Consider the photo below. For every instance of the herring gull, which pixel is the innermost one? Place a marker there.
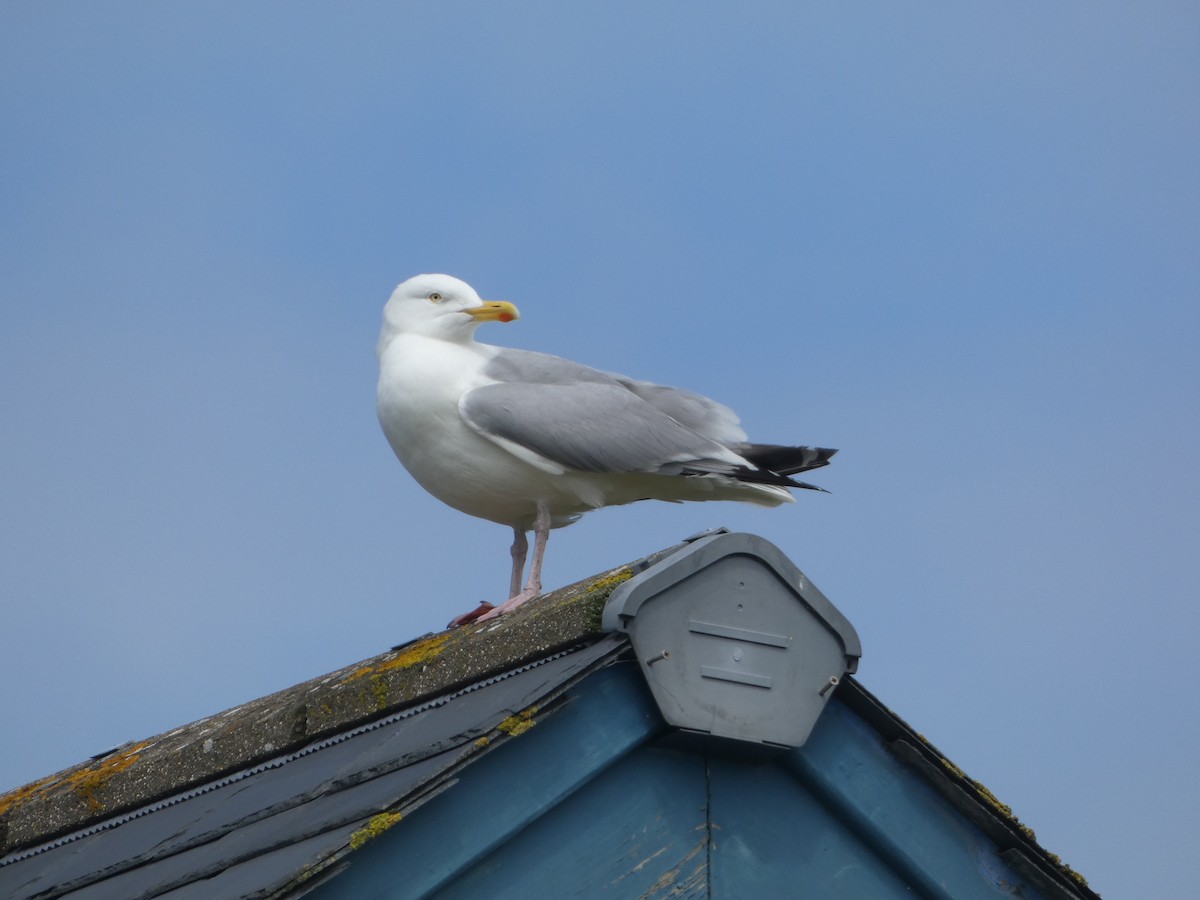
(534, 441)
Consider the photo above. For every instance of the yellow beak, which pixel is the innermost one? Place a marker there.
(494, 311)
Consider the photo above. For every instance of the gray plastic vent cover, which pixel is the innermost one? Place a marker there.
(734, 641)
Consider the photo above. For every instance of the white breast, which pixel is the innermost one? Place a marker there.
(420, 383)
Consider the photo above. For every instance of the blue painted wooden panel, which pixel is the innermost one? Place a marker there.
(590, 804)
(502, 793)
(899, 815)
(772, 838)
(638, 830)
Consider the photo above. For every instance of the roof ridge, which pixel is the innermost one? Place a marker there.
(141, 773)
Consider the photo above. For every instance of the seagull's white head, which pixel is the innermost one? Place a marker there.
(440, 306)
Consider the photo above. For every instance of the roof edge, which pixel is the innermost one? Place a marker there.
(1016, 841)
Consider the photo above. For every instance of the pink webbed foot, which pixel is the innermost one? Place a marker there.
(473, 616)
(508, 605)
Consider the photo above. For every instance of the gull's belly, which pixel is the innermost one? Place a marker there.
(473, 475)
(418, 409)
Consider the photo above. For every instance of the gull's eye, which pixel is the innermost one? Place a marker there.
(435, 297)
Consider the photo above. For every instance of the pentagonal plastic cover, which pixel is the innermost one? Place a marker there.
(734, 641)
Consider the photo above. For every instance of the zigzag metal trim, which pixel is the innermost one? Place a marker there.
(281, 760)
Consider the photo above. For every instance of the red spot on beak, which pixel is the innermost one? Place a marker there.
(505, 317)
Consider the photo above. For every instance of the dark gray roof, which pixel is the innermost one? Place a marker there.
(141, 772)
(296, 814)
(305, 775)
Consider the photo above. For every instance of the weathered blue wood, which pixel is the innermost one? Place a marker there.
(609, 714)
(772, 838)
(898, 815)
(588, 804)
(638, 830)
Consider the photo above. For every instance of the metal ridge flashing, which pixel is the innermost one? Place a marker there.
(278, 761)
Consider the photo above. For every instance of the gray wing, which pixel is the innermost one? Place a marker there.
(584, 419)
(528, 367)
(714, 420)
(702, 415)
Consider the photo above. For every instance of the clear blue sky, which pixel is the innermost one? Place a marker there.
(959, 243)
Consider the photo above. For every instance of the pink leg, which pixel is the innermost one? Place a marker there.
(533, 587)
(520, 548)
(541, 535)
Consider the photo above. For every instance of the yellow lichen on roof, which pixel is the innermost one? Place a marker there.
(598, 593)
(89, 783)
(424, 668)
(520, 723)
(374, 828)
(605, 585)
(21, 794)
(415, 653)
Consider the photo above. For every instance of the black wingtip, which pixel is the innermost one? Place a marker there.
(785, 460)
(806, 486)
